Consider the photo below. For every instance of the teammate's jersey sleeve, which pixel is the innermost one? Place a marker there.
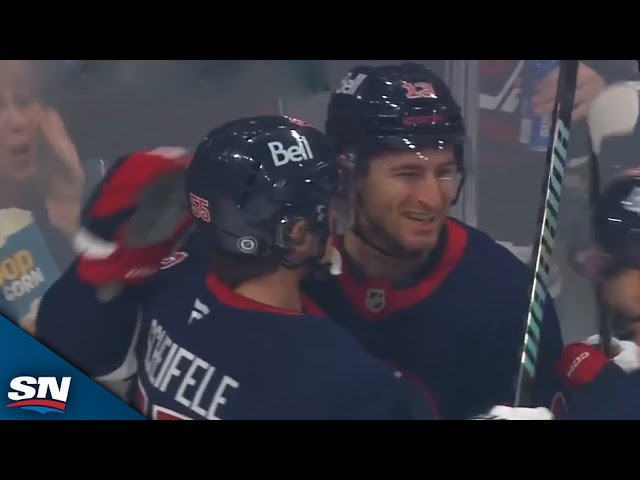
(99, 338)
(349, 383)
(498, 359)
(496, 377)
(394, 400)
(612, 395)
(376, 392)
(93, 336)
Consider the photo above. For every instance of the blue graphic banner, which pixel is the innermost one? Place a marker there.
(36, 384)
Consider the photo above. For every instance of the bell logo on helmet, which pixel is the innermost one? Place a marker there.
(349, 86)
(295, 153)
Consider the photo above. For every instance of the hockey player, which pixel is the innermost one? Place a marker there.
(604, 389)
(238, 343)
(615, 132)
(614, 387)
(437, 298)
(600, 388)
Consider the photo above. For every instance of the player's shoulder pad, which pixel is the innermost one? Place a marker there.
(614, 112)
(482, 243)
(495, 256)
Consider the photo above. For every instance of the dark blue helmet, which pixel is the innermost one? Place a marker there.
(252, 178)
(616, 219)
(394, 107)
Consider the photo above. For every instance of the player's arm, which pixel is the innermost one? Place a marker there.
(94, 336)
(134, 219)
(596, 388)
(497, 360)
(600, 388)
(414, 402)
(386, 398)
(370, 389)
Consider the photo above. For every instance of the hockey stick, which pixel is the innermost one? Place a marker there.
(546, 231)
(604, 324)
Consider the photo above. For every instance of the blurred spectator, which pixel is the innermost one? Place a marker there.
(510, 175)
(42, 184)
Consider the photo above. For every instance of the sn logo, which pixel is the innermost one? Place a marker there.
(349, 86)
(295, 153)
(29, 398)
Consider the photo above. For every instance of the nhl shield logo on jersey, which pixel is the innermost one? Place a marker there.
(375, 299)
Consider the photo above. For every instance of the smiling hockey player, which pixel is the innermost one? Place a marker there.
(421, 290)
(237, 342)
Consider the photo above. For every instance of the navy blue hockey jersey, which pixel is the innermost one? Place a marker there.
(613, 395)
(200, 351)
(458, 327)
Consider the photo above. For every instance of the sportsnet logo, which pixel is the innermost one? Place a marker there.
(49, 396)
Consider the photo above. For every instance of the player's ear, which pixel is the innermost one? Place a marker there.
(296, 233)
(347, 171)
(296, 236)
(343, 162)
(303, 240)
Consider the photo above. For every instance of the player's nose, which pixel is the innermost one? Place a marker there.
(428, 194)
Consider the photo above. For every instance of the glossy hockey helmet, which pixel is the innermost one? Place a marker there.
(252, 179)
(394, 107)
(616, 220)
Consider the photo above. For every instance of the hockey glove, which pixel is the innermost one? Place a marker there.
(627, 353)
(580, 364)
(134, 219)
(503, 412)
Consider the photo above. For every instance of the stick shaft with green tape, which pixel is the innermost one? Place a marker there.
(547, 225)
